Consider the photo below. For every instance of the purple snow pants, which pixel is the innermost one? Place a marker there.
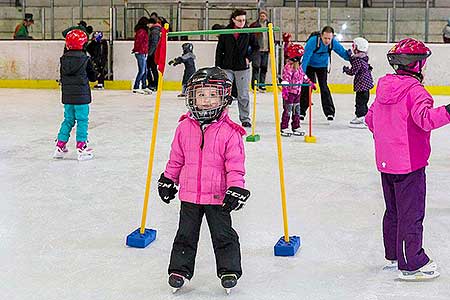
(291, 105)
(404, 195)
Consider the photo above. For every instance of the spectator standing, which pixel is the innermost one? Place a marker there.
(234, 53)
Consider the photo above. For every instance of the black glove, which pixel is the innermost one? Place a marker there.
(448, 108)
(345, 69)
(166, 189)
(171, 62)
(370, 68)
(235, 198)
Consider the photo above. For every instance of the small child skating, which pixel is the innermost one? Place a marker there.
(363, 81)
(293, 74)
(207, 163)
(188, 59)
(75, 73)
(401, 119)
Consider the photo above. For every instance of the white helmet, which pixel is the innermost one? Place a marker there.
(361, 44)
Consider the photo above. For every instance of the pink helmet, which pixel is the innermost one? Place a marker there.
(408, 54)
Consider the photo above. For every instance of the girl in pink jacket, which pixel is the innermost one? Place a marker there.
(293, 74)
(207, 163)
(401, 119)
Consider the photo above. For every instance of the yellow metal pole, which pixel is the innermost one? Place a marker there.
(254, 109)
(152, 150)
(278, 130)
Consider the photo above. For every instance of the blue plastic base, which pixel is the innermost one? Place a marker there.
(138, 240)
(282, 248)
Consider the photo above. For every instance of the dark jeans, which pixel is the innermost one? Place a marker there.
(361, 108)
(259, 68)
(291, 107)
(141, 76)
(404, 195)
(325, 95)
(152, 73)
(225, 240)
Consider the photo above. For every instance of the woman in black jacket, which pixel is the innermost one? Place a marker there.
(233, 54)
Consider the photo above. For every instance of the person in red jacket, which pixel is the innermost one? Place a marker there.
(140, 50)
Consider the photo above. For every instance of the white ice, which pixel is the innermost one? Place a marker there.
(63, 223)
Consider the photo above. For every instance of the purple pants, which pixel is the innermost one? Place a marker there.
(291, 105)
(404, 195)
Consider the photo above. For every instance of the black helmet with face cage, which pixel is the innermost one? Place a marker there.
(215, 79)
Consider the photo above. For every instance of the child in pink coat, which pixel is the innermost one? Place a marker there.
(401, 119)
(207, 163)
(293, 74)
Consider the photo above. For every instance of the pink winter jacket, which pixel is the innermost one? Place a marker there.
(401, 119)
(294, 77)
(205, 164)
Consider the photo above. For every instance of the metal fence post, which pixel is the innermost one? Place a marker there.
(394, 18)
(388, 25)
(296, 20)
(179, 16)
(43, 22)
(207, 18)
(81, 9)
(361, 17)
(427, 20)
(52, 20)
(329, 13)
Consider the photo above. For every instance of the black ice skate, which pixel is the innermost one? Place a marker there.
(176, 281)
(229, 281)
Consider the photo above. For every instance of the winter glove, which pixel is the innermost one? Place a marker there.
(349, 52)
(313, 85)
(166, 189)
(171, 62)
(346, 69)
(235, 198)
(370, 68)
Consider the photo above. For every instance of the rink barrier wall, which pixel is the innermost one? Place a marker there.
(176, 86)
(35, 64)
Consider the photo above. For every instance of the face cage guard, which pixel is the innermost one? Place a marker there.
(207, 114)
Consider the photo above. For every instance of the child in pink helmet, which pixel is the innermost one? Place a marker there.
(207, 163)
(401, 119)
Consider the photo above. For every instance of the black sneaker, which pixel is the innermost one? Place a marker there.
(246, 124)
(330, 118)
(302, 117)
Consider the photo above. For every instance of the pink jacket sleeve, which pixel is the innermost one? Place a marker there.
(369, 118)
(235, 161)
(423, 113)
(286, 76)
(176, 158)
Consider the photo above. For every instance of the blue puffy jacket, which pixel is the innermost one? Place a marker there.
(320, 58)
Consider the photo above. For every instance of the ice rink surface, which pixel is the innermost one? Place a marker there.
(63, 223)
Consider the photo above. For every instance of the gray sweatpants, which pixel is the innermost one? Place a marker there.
(242, 84)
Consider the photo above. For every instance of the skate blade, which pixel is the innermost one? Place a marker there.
(174, 290)
(299, 134)
(356, 126)
(228, 291)
(286, 134)
(420, 276)
(85, 157)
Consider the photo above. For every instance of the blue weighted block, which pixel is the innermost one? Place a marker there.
(138, 240)
(282, 248)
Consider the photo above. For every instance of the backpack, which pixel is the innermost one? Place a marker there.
(317, 35)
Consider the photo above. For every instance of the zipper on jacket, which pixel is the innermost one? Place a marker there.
(199, 171)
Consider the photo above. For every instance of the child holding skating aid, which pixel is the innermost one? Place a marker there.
(293, 74)
(207, 163)
(363, 81)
